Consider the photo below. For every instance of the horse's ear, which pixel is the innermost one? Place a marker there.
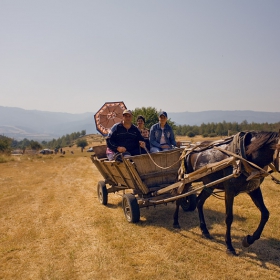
(247, 138)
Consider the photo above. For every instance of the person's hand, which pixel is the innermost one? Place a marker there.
(165, 146)
(142, 144)
(121, 149)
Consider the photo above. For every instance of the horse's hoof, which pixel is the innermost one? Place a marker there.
(231, 252)
(176, 226)
(207, 236)
(245, 241)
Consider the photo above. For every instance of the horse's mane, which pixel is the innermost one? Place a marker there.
(261, 139)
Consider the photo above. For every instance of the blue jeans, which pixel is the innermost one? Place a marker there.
(156, 149)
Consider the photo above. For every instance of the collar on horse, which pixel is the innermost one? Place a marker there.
(237, 145)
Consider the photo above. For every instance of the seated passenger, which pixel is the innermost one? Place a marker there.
(144, 131)
(125, 138)
(161, 135)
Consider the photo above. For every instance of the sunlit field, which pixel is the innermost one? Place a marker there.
(53, 227)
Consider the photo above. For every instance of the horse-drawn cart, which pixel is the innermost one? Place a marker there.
(151, 179)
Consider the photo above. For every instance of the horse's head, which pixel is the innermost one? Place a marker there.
(276, 157)
(263, 148)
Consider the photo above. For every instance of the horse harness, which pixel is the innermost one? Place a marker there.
(236, 148)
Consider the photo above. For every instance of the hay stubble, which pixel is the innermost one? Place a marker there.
(53, 227)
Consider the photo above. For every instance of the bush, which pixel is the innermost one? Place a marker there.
(191, 134)
(212, 134)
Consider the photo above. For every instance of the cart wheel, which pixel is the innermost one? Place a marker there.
(102, 192)
(188, 203)
(131, 208)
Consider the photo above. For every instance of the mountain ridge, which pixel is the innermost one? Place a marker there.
(19, 123)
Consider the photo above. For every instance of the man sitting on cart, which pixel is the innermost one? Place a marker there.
(161, 135)
(125, 138)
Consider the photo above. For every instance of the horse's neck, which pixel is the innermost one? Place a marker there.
(262, 157)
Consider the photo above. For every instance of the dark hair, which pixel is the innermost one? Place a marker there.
(140, 117)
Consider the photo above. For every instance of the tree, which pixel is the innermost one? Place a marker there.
(34, 145)
(149, 113)
(5, 144)
(82, 143)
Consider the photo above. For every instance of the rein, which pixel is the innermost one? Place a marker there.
(264, 172)
(161, 167)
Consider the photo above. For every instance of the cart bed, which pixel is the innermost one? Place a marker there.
(139, 173)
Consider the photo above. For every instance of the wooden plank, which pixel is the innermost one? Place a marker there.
(198, 174)
(149, 202)
(102, 168)
(136, 176)
(123, 178)
(146, 167)
(159, 174)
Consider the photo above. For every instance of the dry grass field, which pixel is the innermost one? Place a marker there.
(53, 227)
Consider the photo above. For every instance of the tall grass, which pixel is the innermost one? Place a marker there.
(5, 158)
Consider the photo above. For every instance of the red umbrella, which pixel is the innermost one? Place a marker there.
(109, 114)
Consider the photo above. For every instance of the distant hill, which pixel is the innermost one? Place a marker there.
(40, 125)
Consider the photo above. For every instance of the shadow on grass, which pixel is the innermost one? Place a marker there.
(112, 206)
(266, 251)
(263, 250)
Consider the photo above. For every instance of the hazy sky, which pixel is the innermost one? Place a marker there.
(72, 56)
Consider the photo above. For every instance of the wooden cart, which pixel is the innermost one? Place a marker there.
(148, 182)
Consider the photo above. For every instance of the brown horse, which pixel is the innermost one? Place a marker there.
(258, 148)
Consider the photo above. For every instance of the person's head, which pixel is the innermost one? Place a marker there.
(127, 116)
(140, 121)
(145, 133)
(162, 116)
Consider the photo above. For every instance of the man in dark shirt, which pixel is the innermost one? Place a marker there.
(125, 137)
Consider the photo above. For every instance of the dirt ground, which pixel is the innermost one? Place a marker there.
(53, 227)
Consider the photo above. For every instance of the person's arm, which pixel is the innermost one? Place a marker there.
(172, 138)
(140, 138)
(111, 139)
(139, 135)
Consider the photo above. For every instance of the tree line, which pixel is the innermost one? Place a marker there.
(205, 129)
(8, 144)
(64, 141)
(224, 128)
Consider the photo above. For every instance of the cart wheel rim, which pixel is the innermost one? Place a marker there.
(100, 195)
(127, 210)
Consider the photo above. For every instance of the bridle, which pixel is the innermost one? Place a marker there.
(276, 158)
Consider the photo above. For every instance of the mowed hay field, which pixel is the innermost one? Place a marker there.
(53, 227)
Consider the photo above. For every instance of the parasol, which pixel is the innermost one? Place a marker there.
(109, 114)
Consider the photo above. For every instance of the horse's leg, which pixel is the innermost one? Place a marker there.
(200, 202)
(257, 198)
(176, 215)
(229, 198)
